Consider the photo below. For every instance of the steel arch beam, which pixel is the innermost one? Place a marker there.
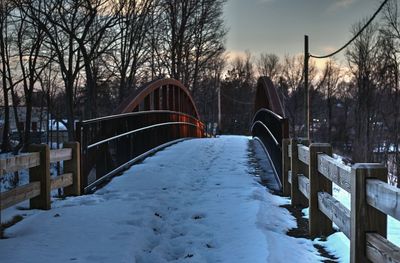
(267, 97)
(163, 94)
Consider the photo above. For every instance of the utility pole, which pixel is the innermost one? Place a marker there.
(219, 106)
(306, 88)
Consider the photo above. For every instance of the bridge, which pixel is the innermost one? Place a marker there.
(192, 197)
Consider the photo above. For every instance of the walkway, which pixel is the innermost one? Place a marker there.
(196, 201)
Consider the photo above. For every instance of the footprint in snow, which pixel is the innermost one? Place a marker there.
(198, 216)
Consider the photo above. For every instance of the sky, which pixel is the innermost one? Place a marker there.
(279, 26)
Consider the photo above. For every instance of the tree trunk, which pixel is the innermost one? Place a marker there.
(69, 90)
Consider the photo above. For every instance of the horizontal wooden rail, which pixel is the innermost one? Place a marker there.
(19, 162)
(60, 155)
(304, 154)
(379, 249)
(61, 181)
(304, 186)
(384, 197)
(19, 194)
(335, 211)
(336, 172)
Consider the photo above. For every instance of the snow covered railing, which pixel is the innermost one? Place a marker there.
(308, 173)
(38, 162)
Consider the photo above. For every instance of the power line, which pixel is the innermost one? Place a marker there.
(355, 36)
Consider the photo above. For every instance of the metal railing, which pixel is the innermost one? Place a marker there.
(110, 144)
(270, 129)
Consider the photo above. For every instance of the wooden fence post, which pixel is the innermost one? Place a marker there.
(41, 174)
(73, 166)
(364, 218)
(285, 167)
(319, 224)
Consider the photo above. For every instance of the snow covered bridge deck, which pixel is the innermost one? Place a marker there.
(196, 201)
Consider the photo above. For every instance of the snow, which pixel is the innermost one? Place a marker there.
(339, 245)
(391, 148)
(195, 201)
(53, 125)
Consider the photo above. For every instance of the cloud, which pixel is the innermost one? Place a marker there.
(234, 54)
(320, 63)
(329, 49)
(342, 3)
(265, 1)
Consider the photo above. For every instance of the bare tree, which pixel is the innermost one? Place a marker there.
(53, 18)
(29, 40)
(132, 50)
(5, 9)
(237, 91)
(292, 78)
(388, 79)
(361, 59)
(209, 33)
(269, 65)
(329, 85)
(194, 34)
(78, 34)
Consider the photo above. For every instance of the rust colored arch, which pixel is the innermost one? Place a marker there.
(267, 97)
(162, 94)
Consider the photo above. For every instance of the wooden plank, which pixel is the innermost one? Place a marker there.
(61, 181)
(335, 211)
(19, 162)
(304, 154)
(60, 155)
(290, 176)
(384, 197)
(380, 249)
(19, 195)
(304, 185)
(297, 169)
(336, 172)
(294, 164)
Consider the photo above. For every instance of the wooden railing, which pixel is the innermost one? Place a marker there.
(308, 173)
(40, 183)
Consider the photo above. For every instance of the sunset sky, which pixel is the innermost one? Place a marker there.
(279, 26)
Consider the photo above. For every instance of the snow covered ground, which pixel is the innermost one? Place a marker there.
(192, 202)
